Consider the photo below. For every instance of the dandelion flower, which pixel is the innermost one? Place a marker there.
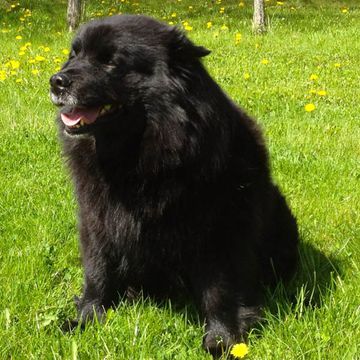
(35, 72)
(344, 10)
(174, 15)
(21, 53)
(241, 4)
(246, 76)
(337, 65)
(18, 81)
(237, 38)
(310, 107)
(279, 3)
(322, 93)
(18, 37)
(222, 10)
(313, 77)
(239, 351)
(13, 64)
(264, 61)
(3, 75)
(208, 24)
(39, 58)
(65, 51)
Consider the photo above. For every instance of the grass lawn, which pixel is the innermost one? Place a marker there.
(300, 80)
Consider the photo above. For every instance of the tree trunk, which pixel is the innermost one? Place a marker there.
(74, 13)
(259, 22)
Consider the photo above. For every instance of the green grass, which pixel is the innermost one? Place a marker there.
(315, 159)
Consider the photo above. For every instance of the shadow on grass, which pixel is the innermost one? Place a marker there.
(311, 286)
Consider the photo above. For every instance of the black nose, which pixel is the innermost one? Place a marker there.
(60, 81)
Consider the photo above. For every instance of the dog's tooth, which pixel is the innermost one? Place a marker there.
(82, 123)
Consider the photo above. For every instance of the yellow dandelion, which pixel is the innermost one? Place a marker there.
(222, 10)
(28, 44)
(337, 65)
(241, 4)
(46, 49)
(188, 27)
(18, 81)
(31, 61)
(239, 351)
(18, 37)
(312, 91)
(35, 72)
(57, 60)
(264, 61)
(246, 76)
(22, 19)
(65, 51)
(13, 64)
(190, 7)
(58, 68)
(171, 23)
(313, 77)
(344, 10)
(237, 38)
(174, 15)
(3, 75)
(21, 53)
(310, 107)
(208, 24)
(322, 93)
(39, 58)
(279, 3)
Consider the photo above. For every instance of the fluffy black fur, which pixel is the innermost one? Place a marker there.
(173, 182)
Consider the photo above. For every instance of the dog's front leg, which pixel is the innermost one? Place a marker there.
(101, 278)
(227, 294)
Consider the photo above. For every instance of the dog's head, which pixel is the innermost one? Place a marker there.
(114, 63)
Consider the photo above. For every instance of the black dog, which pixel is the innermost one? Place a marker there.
(172, 178)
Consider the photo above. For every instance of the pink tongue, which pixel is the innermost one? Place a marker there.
(73, 118)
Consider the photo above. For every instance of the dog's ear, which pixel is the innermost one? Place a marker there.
(181, 47)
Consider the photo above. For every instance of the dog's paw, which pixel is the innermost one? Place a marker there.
(218, 339)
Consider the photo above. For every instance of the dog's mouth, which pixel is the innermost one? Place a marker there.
(79, 119)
